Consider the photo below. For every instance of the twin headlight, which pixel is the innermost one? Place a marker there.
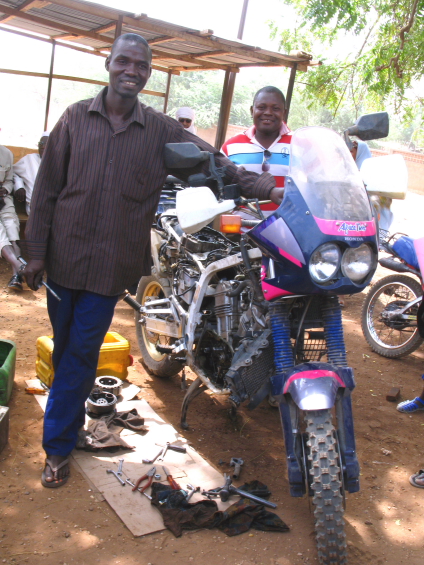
(325, 261)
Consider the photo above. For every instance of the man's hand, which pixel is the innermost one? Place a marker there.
(276, 195)
(3, 192)
(33, 273)
(20, 194)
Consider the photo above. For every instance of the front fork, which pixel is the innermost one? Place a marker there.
(340, 393)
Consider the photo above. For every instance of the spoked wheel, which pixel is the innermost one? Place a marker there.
(324, 468)
(160, 364)
(397, 336)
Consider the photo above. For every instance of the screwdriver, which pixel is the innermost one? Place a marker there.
(24, 263)
(174, 485)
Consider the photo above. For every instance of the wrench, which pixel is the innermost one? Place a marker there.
(116, 475)
(193, 490)
(236, 462)
(150, 461)
(121, 464)
(133, 485)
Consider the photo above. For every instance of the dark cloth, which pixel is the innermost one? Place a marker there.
(99, 435)
(97, 191)
(80, 322)
(179, 515)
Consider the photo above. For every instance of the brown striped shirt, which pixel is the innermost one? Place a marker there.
(97, 191)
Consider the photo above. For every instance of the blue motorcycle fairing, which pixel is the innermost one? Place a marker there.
(299, 233)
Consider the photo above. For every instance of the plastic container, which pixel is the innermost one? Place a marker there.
(114, 358)
(7, 369)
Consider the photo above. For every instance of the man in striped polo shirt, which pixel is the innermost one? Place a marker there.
(266, 145)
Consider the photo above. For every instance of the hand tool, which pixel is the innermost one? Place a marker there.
(236, 462)
(228, 489)
(139, 490)
(34, 390)
(24, 263)
(116, 475)
(178, 448)
(121, 464)
(193, 490)
(174, 485)
(149, 477)
(150, 461)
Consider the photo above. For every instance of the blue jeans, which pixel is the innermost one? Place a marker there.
(80, 322)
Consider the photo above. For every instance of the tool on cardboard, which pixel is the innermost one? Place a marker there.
(171, 481)
(149, 477)
(192, 491)
(24, 264)
(116, 475)
(228, 489)
(236, 462)
(151, 461)
(139, 490)
(169, 445)
(121, 464)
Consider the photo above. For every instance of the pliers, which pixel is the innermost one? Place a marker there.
(149, 476)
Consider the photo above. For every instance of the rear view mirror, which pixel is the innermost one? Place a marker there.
(183, 155)
(371, 126)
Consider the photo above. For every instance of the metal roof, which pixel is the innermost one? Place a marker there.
(175, 48)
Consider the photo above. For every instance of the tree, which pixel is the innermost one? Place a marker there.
(387, 61)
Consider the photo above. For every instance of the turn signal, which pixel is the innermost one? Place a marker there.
(230, 224)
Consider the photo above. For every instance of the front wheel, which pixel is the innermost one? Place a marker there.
(159, 364)
(327, 487)
(391, 337)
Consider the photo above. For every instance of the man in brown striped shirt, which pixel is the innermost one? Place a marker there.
(93, 204)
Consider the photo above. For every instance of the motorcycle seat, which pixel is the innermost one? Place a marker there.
(404, 248)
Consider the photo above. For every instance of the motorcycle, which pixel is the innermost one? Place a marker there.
(252, 308)
(389, 313)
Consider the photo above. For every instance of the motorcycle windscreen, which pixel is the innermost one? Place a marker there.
(325, 173)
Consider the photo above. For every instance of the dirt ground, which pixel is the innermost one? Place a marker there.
(74, 525)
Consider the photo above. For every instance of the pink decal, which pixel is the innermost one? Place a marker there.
(271, 292)
(290, 257)
(340, 227)
(316, 374)
(419, 250)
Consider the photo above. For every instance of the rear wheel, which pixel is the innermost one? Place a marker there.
(160, 364)
(391, 338)
(324, 469)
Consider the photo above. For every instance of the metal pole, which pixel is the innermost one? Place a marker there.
(228, 89)
(49, 87)
(168, 86)
(290, 90)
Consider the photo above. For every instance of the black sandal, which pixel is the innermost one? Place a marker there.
(15, 282)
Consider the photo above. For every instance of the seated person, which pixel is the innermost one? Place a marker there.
(25, 172)
(185, 116)
(9, 222)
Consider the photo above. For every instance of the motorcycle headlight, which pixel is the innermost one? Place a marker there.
(357, 262)
(324, 262)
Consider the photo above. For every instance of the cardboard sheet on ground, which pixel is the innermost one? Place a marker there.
(134, 509)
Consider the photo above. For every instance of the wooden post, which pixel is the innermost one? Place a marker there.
(118, 28)
(290, 90)
(49, 87)
(228, 89)
(168, 86)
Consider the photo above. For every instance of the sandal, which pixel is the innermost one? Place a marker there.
(55, 483)
(419, 476)
(15, 282)
(409, 406)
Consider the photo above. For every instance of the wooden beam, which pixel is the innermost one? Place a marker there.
(290, 91)
(205, 68)
(168, 87)
(160, 39)
(176, 32)
(55, 25)
(225, 108)
(165, 55)
(100, 29)
(118, 28)
(73, 79)
(49, 87)
(26, 5)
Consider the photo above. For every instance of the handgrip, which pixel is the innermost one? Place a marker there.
(133, 303)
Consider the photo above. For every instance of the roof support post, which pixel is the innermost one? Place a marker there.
(290, 90)
(118, 28)
(224, 113)
(49, 87)
(168, 86)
